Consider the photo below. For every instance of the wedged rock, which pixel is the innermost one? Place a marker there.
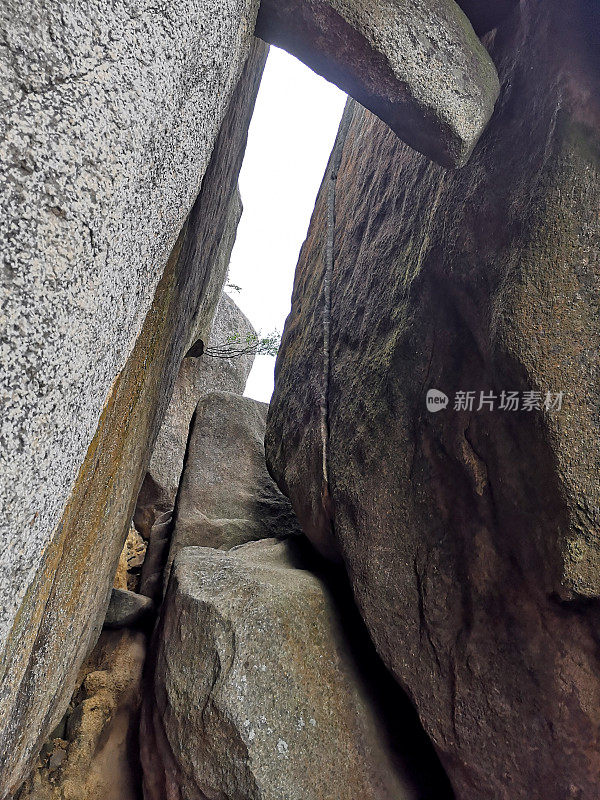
(470, 536)
(278, 703)
(197, 377)
(94, 751)
(419, 66)
(110, 129)
(151, 580)
(127, 609)
(226, 496)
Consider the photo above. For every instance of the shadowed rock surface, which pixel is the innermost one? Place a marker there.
(470, 537)
(116, 121)
(127, 609)
(226, 496)
(151, 579)
(197, 377)
(484, 15)
(419, 66)
(61, 615)
(93, 754)
(276, 705)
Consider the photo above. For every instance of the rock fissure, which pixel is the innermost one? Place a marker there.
(335, 162)
(269, 619)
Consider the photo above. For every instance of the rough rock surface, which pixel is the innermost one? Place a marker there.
(276, 705)
(470, 537)
(60, 616)
(419, 65)
(131, 561)
(127, 609)
(151, 580)
(197, 377)
(94, 752)
(109, 115)
(226, 496)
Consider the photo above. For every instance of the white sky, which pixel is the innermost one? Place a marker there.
(290, 139)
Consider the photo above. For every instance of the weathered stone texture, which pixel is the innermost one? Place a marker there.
(419, 65)
(277, 703)
(127, 609)
(108, 119)
(85, 322)
(197, 377)
(470, 538)
(226, 496)
(93, 754)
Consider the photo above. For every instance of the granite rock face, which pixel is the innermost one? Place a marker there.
(276, 705)
(419, 66)
(197, 377)
(108, 120)
(104, 149)
(470, 536)
(115, 122)
(226, 496)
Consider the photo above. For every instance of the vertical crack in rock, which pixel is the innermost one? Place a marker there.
(505, 504)
(336, 160)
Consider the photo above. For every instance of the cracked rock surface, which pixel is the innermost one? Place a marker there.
(470, 535)
(226, 495)
(197, 377)
(100, 291)
(258, 693)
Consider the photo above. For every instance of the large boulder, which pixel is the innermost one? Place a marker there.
(226, 496)
(261, 693)
(422, 68)
(470, 535)
(111, 124)
(197, 377)
(108, 122)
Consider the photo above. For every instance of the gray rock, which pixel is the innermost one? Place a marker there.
(197, 377)
(151, 580)
(260, 693)
(127, 609)
(226, 496)
(108, 119)
(419, 66)
(471, 537)
(79, 294)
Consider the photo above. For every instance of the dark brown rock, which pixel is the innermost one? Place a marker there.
(470, 538)
(419, 66)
